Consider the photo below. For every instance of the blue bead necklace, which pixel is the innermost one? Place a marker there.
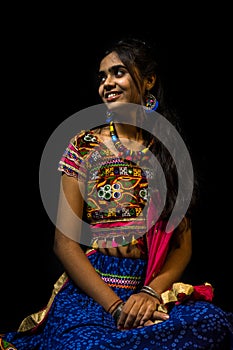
(124, 152)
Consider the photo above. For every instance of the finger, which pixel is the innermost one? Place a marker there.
(124, 314)
(128, 316)
(147, 323)
(147, 314)
(158, 315)
(142, 314)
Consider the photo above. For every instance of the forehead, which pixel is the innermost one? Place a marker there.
(109, 61)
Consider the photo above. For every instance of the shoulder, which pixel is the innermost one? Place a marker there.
(85, 138)
(87, 146)
(183, 228)
(75, 158)
(185, 224)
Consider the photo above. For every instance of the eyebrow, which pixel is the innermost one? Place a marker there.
(111, 69)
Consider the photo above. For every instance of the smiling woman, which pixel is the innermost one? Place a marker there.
(130, 180)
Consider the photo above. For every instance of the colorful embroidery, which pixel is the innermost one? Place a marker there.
(118, 190)
(128, 282)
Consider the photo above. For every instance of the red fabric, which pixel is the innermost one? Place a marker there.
(158, 243)
(200, 292)
(203, 292)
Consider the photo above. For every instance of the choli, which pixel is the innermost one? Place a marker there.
(117, 190)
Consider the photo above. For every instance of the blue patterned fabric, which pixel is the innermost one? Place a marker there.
(76, 321)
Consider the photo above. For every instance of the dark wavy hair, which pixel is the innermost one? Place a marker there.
(140, 60)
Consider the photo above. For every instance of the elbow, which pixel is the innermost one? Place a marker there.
(64, 246)
(189, 255)
(186, 249)
(189, 247)
(56, 247)
(58, 243)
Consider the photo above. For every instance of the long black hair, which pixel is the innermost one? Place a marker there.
(139, 57)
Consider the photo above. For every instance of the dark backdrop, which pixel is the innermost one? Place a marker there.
(49, 75)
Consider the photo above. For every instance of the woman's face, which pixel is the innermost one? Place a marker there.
(115, 82)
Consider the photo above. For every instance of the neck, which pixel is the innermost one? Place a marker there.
(128, 131)
(128, 120)
(126, 150)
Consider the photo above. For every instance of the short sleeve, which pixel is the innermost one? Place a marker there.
(72, 161)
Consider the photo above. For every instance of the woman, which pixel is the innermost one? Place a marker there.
(123, 256)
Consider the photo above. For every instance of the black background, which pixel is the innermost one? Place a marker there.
(48, 67)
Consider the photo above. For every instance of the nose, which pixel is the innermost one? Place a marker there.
(109, 82)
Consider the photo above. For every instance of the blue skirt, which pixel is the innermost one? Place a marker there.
(76, 321)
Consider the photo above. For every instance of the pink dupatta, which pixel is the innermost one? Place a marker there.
(158, 242)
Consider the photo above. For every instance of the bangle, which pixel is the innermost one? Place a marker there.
(115, 302)
(152, 292)
(116, 313)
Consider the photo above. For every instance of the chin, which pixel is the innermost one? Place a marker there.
(123, 111)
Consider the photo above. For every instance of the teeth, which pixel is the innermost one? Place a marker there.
(112, 95)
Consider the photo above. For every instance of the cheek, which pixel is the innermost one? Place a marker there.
(135, 96)
(100, 90)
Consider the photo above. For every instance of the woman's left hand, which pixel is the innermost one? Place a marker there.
(140, 310)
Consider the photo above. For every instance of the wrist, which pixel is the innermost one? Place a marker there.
(117, 311)
(150, 291)
(114, 305)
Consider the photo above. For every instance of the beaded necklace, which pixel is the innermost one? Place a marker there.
(124, 151)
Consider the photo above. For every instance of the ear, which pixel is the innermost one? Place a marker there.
(150, 82)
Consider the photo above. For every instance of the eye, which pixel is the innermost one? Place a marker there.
(114, 72)
(119, 72)
(101, 77)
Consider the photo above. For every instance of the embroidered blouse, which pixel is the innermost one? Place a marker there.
(118, 193)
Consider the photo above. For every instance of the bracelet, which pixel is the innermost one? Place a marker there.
(115, 302)
(152, 292)
(116, 313)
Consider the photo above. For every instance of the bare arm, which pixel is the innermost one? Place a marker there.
(140, 308)
(67, 247)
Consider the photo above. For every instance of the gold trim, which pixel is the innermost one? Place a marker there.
(35, 319)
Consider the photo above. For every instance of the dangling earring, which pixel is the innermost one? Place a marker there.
(151, 103)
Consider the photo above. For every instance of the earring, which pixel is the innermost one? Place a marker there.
(151, 103)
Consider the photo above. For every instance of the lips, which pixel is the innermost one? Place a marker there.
(111, 96)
